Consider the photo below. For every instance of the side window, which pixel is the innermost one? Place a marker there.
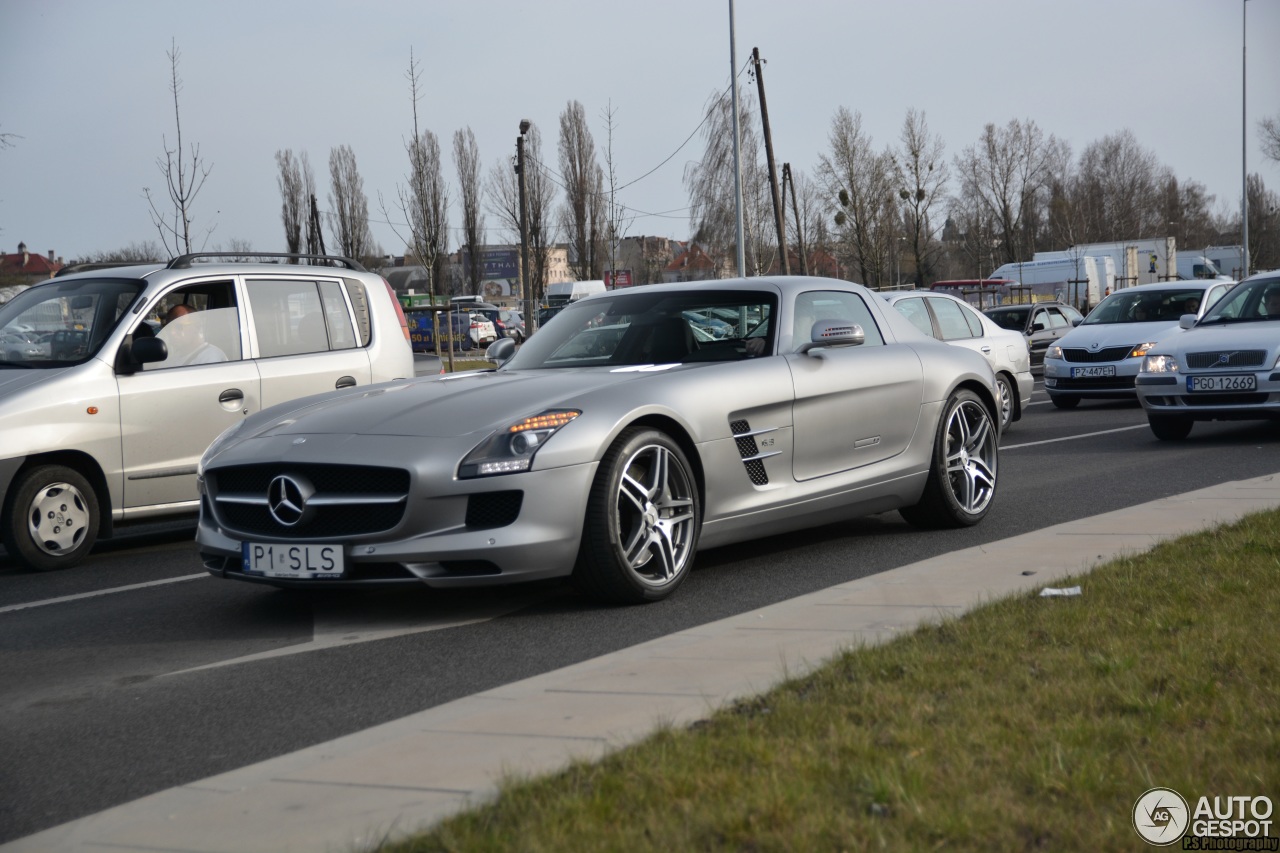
(974, 321)
(336, 316)
(200, 324)
(915, 311)
(950, 319)
(297, 317)
(834, 305)
(1055, 320)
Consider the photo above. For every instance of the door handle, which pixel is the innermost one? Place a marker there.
(345, 382)
(986, 349)
(231, 395)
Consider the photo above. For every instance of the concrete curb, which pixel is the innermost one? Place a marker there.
(410, 773)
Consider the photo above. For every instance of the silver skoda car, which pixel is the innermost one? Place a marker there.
(613, 445)
(140, 367)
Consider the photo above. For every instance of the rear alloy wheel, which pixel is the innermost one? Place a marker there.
(53, 518)
(642, 522)
(962, 475)
(1064, 402)
(1170, 427)
(1005, 387)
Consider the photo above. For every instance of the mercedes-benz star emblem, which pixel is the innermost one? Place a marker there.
(287, 498)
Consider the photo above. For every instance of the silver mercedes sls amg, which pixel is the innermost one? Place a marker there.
(635, 428)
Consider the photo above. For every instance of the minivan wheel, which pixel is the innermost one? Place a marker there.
(52, 521)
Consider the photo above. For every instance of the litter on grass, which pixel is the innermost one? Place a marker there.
(1051, 591)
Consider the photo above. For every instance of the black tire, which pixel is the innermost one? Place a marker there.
(962, 472)
(51, 520)
(643, 518)
(1008, 401)
(1062, 401)
(1170, 427)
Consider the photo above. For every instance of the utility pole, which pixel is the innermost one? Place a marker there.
(795, 210)
(525, 281)
(740, 250)
(784, 263)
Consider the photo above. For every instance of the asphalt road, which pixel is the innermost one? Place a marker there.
(136, 672)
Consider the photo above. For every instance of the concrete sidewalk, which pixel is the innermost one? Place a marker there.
(414, 771)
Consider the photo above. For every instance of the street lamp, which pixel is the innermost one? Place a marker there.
(1244, 145)
(525, 284)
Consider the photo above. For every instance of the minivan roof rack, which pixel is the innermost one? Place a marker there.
(183, 262)
(90, 266)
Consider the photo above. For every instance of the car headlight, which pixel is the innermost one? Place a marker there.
(218, 444)
(511, 449)
(1159, 364)
(1142, 349)
(1054, 351)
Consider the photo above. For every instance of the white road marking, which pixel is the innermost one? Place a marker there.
(1071, 437)
(29, 604)
(344, 622)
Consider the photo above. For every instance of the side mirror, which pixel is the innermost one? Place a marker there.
(148, 350)
(833, 333)
(1036, 327)
(1186, 321)
(1076, 321)
(500, 351)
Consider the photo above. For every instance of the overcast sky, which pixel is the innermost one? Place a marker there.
(84, 90)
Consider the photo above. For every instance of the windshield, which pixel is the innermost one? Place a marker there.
(653, 328)
(1246, 302)
(1009, 318)
(64, 322)
(1145, 305)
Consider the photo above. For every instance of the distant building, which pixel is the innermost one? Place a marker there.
(23, 269)
(693, 264)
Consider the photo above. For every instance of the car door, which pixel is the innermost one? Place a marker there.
(1053, 325)
(957, 327)
(854, 405)
(303, 337)
(172, 410)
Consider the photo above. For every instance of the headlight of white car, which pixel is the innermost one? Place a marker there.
(1159, 364)
(1054, 351)
(1142, 349)
(511, 449)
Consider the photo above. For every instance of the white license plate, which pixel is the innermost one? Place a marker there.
(282, 560)
(1222, 383)
(1091, 372)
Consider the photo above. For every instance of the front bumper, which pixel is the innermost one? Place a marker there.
(440, 540)
(1058, 380)
(1168, 395)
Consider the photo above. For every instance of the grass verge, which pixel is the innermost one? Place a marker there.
(1027, 724)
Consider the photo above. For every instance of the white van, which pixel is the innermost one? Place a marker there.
(136, 370)
(565, 292)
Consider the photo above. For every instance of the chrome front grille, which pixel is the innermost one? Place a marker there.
(341, 500)
(1229, 358)
(1083, 356)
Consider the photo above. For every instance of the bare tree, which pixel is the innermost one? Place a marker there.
(503, 194)
(293, 198)
(860, 181)
(1269, 136)
(1003, 184)
(184, 174)
(922, 182)
(616, 224)
(236, 249)
(6, 139)
(710, 184)
(582, 216)
(466, 157)
(349, 216)
(1118, 187)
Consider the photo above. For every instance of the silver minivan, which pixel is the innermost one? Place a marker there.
(137, 369)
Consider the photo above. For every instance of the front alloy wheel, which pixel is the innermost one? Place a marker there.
(642, 521)
(962, 478)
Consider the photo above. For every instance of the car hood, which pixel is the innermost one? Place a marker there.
(442, 406)
(1263, 335)
(1103, 335)
(13, 380)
